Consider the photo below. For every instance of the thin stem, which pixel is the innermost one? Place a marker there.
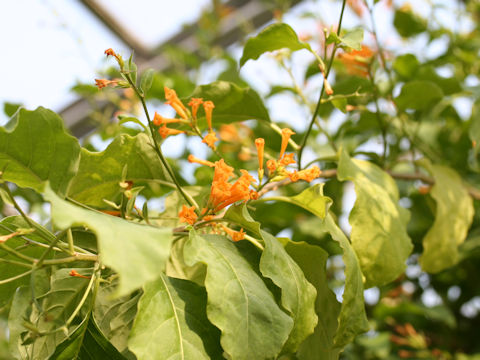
(66, 260)
(16, 253)
(82, 301)
(254, 242)
(70, 241)
(157, 148)
(14, 262)
(317, 107)
(381, 123)
(16, 277)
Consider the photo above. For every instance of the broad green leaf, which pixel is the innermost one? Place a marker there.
(379, 225)
(180, 329)
(298, 295)
(273, 37)
(86, 343)
(312, 260)
(10, 108)
(474, 134)
(34, 148)
(419, 95)
(137, 252)
(352, 319)
(232, 103)
(453, 217)
(176, 267)
(115, 316)
(8, 270)
(125, 119)
(100, 173)
(239, 303)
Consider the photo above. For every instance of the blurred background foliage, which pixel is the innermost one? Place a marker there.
(419, 316)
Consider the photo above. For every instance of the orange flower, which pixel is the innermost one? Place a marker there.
(229, 132)
(271, 166)
(357, 61)
(287, 160)
(235, 235)
(159, 120)
(74, 273)
(208, 106)
(187, 215)
(222, 171)
(260, 144)
(193, 159)
(327, 87)
(286, 133)
(357, 6)
(195, 104)
(164, 131)
(307, 174)
(174, 102)
(210, 139)
(101, 83)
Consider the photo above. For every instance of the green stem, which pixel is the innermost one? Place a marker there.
(84, 298)
(254, 242)
(157, 148)
(16, 277)
(317, 107)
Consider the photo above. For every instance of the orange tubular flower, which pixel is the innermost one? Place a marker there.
(187, 215)
(229, 132)
(235, 235)
(307, 174)
(210, 139)
(101, 83)
(271, 166)
(164, 131)
(193, 159)
(174, 102)
(74, 273)
(208, 106)
(260, 144)
(195, 104)
(286, 134)
(159, 120)
(357, 61)
(287, 160)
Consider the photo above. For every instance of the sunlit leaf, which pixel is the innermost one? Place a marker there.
(239, 303)
(34, 147)
(312, 260)
(298, 295)
(180, 330)
(273, 37)
(379, 224)
(137, 252)
(232, 103)
(100, 173)
(453, 217)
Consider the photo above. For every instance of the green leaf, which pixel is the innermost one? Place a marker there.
(453, 217)
(86, 343)
(20, 305)
(180, 328)
(146, 80)
(379, 225)
(57, 306)
(115, 316)
(298, 295)
(10, 108)
(312, 260)
(34, 148)
(352, 39)
(352, 319)
(273, 37)
(232, 103)
(408, 23)
(125, 119)
(406, 65)
(419, 95)
(239, 302)
(100, 173)
(123, 245)
(238, 214)
(8, 270)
